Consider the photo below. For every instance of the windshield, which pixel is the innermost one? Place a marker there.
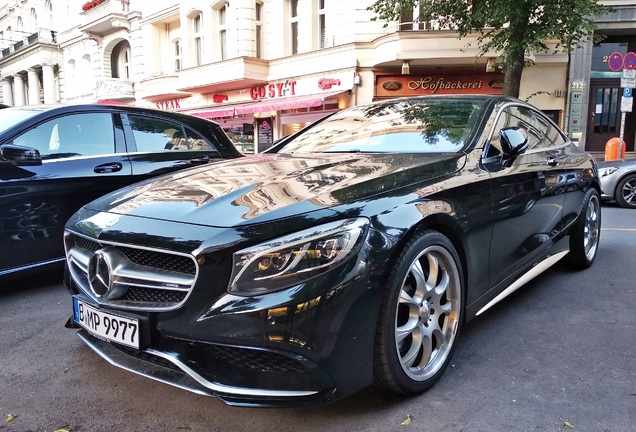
(10, 117)
(425, 125)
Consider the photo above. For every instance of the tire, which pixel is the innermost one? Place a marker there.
(585, 234)
(421, 315)
(625, 194)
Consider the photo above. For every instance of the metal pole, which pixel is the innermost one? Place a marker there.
(620, 143)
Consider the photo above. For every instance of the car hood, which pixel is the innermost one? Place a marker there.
(268, 187)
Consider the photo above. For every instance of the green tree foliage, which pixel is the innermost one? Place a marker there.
(506, 26)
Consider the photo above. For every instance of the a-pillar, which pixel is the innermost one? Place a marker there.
(18, 90)
(48, 84)
(7, 92)
(34, 87)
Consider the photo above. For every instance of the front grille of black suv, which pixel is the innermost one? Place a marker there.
(145, 279)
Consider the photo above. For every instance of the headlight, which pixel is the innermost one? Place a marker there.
(602, 172)
(295, 258)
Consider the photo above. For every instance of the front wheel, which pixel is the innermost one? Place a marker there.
(586, 232)
(626, 192)
(421, 315)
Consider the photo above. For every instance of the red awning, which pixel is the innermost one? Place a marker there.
(221, 110)
(286, 103)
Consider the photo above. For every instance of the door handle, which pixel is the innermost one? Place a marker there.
(200, 160)
(552, 161)
(108, 168)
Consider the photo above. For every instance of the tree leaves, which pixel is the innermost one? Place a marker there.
(510, 27)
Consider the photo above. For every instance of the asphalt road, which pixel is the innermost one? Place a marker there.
(559, 354)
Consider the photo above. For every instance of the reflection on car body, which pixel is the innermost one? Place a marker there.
(351, 253)
(55, 159)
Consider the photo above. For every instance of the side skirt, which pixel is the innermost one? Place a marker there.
(527, 277)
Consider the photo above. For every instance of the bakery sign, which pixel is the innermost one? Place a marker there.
(436, 84)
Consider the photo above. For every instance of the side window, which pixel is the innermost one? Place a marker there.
(86, 134)
(197, 142)
(541, 133)
(156, 135)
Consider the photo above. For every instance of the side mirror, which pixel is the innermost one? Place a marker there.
(514, 142)
(19, 155)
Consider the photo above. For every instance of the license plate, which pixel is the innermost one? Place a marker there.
(106, 325)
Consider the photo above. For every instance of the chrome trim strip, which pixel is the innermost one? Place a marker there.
(527, 277)
(31, 266)
(164, 375)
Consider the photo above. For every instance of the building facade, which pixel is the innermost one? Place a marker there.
(261, 68)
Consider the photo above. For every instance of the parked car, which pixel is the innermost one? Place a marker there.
(618, 181)
(353, 254)
(53, 160)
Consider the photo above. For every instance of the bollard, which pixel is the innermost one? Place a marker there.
(611, 149)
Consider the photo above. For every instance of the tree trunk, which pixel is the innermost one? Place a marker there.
(513, 68)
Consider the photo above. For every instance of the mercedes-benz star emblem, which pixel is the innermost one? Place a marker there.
(99, 273)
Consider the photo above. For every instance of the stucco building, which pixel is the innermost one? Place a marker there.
(264, 68)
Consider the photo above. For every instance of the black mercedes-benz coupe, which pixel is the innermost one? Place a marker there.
(54, 159)
(350, 254)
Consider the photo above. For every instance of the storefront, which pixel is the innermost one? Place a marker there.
(255, 117)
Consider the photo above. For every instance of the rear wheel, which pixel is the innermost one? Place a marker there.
(421, 315)
(586, 232)
(626, 192)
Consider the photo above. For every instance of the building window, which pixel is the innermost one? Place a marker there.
(177, 54)
(259, 30)
(120, 61)
(198, 40)
(33, 21)
(293, 25)
(222, 13)
(322, 25)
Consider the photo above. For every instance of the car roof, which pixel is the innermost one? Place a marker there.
(107, 107)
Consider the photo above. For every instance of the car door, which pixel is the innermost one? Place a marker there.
(528, 195)
(80, 162)
(160, 145)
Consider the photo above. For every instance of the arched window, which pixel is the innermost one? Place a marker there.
(33, 20)
(120, 61)
(48, 7)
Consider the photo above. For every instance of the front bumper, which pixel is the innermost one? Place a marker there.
(168, 368)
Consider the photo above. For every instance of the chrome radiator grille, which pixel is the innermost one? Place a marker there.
(130, 277)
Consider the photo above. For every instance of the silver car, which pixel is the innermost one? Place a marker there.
(618, 181)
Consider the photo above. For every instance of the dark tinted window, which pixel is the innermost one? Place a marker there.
(86, 134)
(413, 126)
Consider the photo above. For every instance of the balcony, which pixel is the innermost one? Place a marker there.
(115, 89)
(161, 87)
(105, 17)
(42, 36)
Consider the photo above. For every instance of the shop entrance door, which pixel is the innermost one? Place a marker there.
(605, 116)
